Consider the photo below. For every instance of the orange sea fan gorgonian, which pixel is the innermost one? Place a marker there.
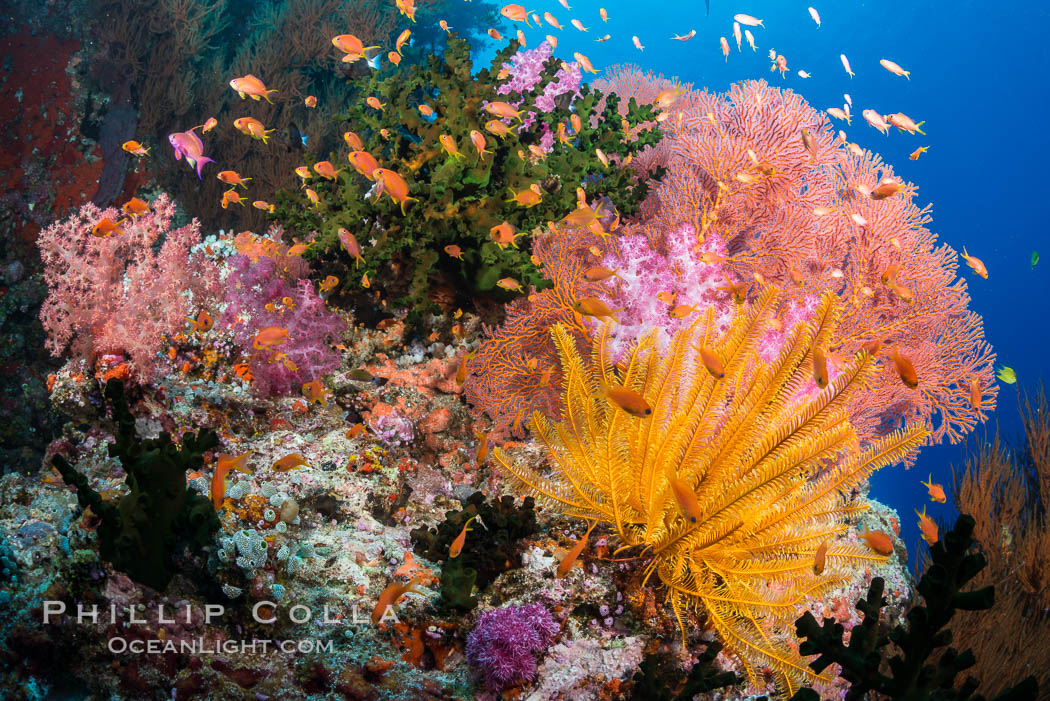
(805, 219)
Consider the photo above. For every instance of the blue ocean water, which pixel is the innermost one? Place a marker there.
(977, 71)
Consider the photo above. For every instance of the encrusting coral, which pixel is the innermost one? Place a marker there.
(732, 481)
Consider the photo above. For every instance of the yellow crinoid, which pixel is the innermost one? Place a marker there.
(770, 462)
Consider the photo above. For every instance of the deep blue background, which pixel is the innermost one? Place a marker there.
(977, 77)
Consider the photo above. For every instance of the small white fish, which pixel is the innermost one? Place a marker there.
(803, 74)
(816, 17)
(845, 64)
(604, 14)
(875, 119)
(839, 114)
(637, 43)
(604, 38)
(748, 20)
(750, 39)
(849, 100)
(687, 37)
(552, 40)
(536, 19)
(565, 4)
(737, 35)
(894, 68)
(579, 25)
(842, 136)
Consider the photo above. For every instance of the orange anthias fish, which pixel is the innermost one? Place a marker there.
(231, 196)
(292, 461)
(497, 128)
(448, 144)
(310, 101)
(914, 155)
(203, 323)
(363, 162)
(820, 558)
(231, 177)
(353, 47)
(402, 39)
(269, 337)
(454, 251)
(686, 497)
(928, 527)
(878, 541)
(597, 273)
(503, 110)
(478, 140)
(483, 448)
(394, 186)
(134, 148)
(250, 85)
(373, 102)
(592, 306)
(712, 362)
(107, 227)
(328, 283)
(905, 369)
(516, 13)
(976, 395)
(509, 283)
(567, 562)
(353, 141)
(820, 368)
(976, 263)
(407, 8)
(223, 465)
(936, 491)
(250, 126)
(529, 197)
(457, 545)
(504, 235)
(209, 124)
(316, 393)
(395, 590)
(326, 170)
(552, 20)
(628, 400)
(135, 207)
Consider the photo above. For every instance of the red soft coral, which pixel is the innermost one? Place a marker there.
(124, 293)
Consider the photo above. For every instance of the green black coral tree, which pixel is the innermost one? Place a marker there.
(140, 533)
(491, 547)
(460, 198)
(914, 674)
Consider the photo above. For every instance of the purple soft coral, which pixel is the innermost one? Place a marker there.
(525, 70)
(307, 355)
(503, 647)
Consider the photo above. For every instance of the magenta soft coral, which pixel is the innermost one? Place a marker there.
(258, 295)
(502, 649)
(122, 294)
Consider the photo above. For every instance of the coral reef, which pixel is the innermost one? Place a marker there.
(121, 294)
(716, 463)
(1010, 488)
(455, 195)
(659, 678)
(913, 674)
(140, 533)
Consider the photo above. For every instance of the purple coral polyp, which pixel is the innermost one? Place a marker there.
(502, 648)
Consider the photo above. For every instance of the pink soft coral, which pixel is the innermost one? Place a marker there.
(263, 294)
(122, 294)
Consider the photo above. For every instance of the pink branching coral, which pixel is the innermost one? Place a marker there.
(805, 219)
(258, 295)
(126, 292)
